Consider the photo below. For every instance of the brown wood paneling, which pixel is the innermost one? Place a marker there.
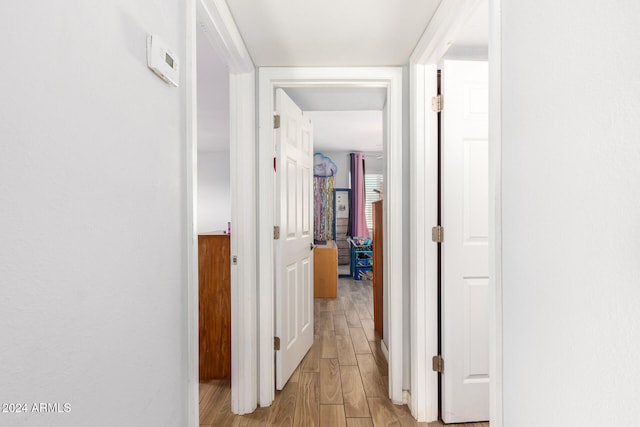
(214, 300)
(377, 266)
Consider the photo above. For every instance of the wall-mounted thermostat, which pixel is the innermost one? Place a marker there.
(162, 60)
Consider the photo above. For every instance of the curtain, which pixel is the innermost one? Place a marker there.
(357, 219)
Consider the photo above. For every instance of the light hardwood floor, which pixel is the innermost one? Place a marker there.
(341, 382)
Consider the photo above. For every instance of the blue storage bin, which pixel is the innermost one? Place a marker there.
(364, 273)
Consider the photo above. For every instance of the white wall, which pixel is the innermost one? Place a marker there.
(372, 164)
(93, 214)
(571, 210)
(214, 191)
(341, 159)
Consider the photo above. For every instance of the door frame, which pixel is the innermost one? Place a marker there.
(214, 17)
(430, 49)
(270, 78)
(423, 65)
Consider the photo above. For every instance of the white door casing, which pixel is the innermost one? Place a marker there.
(269, 79)
(294, 249)
(465, 250)
(214, 18)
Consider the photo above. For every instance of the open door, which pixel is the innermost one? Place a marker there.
(293, 248)
(465, 255)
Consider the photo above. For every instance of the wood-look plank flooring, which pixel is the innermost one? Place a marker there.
(342, 381)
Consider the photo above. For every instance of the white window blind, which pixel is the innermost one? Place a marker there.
(372, 181)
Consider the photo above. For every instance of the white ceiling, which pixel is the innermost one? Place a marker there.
(344, 119)
(338, 99)
(346, 130)
(323, 33)
(331, 32)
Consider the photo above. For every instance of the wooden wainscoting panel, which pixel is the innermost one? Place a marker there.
(214, 301)
(378, 267)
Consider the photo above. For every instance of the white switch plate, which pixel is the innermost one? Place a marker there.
(162, 60)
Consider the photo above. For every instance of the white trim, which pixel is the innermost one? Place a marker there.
(269, 79)
(495, 212)
(406, 398)
(442, 30)
(213, 17)
(424, 198)
(244, 301)
(385, 350)
(266, 221)
(191, 240)
(434, 43)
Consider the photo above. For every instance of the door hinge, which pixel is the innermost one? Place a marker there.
(276, 343)
(276, 232)
(438, 364)
(436, 103)
(276, 121)
(437, 234)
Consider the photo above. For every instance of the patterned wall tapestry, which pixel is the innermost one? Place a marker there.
(323, 215)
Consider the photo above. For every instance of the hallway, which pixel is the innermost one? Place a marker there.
(342, 381)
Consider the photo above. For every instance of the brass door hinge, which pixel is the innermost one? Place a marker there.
(276, 121)
(276, 232)
(436, 104)
(437, 234)
(276, 343)
(438, 364)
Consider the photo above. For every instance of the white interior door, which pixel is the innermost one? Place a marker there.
(294, 248)
(465, 255)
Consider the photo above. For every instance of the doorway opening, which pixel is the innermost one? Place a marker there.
(347, 123)
(214, 21)
(344, 375)
(214, 213)
(213, 218)
(258, 273)
(390, 80)
(446, 193)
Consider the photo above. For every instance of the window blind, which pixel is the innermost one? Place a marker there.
(371, 181)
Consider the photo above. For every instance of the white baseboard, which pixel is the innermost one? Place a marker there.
(385, 350)
(406, 394)
(406, 398)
